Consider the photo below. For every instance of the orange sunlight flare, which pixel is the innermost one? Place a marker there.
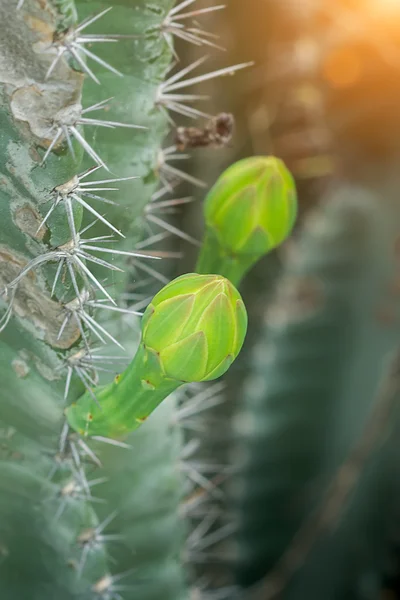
(342, 67)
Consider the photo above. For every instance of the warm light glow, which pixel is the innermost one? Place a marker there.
(385, 5)
(342, 68)
(387, 11)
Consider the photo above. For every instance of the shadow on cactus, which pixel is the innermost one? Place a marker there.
(192, 331)
(250, 211)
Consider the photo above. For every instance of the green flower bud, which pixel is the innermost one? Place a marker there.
(192, 331)
(252, 207)
(196, 325)
(250, 210)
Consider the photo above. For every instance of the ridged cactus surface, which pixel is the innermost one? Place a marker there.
(72, 524)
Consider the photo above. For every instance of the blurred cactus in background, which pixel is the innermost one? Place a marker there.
(315, 378)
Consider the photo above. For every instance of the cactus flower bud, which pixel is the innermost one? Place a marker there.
(196, 325)
(192, 331)
(250, 210)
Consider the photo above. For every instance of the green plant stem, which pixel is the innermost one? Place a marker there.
(124, 404)
(214, 259)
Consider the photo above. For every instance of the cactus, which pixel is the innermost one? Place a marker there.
(84, 110)
(314, 378)
(92, 497)
(52, 482)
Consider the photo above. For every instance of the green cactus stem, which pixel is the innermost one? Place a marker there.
(250, 211)
(76, 521)
(53, 541)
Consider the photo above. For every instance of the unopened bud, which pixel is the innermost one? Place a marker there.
(250, 210)
(196, 324)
